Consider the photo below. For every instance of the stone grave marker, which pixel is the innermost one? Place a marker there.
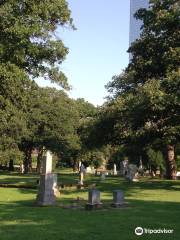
(93, 200)
(47, 163)
(103, 176)
(124, 167)
(48, 183)
(132, 173)
(114, 170)
(118, 198)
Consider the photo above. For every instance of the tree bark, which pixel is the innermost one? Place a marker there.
(39, 160)
(11, 165)
(28, 160)
(171, 163)
(75, 167)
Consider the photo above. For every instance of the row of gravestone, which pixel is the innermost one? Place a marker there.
(94, 201)
(48, 189)
(47, 197)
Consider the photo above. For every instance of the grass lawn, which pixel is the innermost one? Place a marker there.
(152, 204)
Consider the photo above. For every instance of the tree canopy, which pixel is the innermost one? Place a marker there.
(145, 100)
(28, 36)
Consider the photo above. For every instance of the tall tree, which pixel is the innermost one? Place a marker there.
(29, 48)
(147, 97)
(52, 121)
(28, 36)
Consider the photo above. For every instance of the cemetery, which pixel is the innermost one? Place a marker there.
(89, 120)
(39, 207)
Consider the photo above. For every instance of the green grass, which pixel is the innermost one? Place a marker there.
(152, 204)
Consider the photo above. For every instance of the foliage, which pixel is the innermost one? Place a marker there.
(29, 48)
(144, 101)
(85, 109)
(28, 32)
(11, 154)
(156, 160)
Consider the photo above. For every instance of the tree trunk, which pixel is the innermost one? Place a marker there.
(75, 167)
(28, 160)
(30, 163)
(39, 160)
(171, 163)
(11, 165)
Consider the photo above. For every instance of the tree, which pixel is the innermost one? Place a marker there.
(155, 160)
(12, 107)
(28, 36)
(52, 122)
(29, 48)
(145, 102)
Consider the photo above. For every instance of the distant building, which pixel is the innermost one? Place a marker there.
(135, 25)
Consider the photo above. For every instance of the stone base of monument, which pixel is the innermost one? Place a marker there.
(93, 200)
(119, 205)
(96, 206)
(47, 190)
(80, 186)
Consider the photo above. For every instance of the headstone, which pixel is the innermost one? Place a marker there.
(48, 183)
(132, 173)
(81, 178)
(103, 176)
(55, 186)
(82, 173)
(124, 167)
(22, 168)
(140, 163)
(118, 198)
(178, 175)
(93, 200)
(114, 170)
(79, 165)
(47, 163)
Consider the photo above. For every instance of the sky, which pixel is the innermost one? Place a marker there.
(97, 49)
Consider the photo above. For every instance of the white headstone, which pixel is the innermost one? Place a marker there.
(48, 188)
(132, 173)
(103, 176)
(114, 170)
(47, 163)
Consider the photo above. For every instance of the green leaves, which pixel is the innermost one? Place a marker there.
(27, 36)
(145, 99)
(157, 51)
(31, 116)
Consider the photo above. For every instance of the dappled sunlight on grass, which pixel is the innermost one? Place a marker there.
(151, 203)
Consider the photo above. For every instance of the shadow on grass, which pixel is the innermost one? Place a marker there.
(22, 220)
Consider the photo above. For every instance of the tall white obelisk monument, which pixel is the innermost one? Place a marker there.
(135, 25)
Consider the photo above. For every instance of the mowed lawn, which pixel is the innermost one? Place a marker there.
(151, 204)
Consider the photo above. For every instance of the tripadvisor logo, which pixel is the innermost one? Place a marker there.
(140, 231)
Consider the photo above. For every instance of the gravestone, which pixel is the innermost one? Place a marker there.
(48, 183)
(55, 186)
(114, 170)
(47, 163)
(132, 173)
(93, 200)
(124, 167)
(82, 173)
(178, 175)
(118, 198)
(103, 176)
